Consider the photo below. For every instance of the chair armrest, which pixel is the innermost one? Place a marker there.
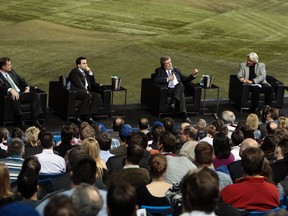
(238, 91)
(279, 89)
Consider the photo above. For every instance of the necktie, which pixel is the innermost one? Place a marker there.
(86, 83)
(12, 83)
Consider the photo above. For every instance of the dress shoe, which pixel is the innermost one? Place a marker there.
(215, 116)
(78, 120)
(172, 106)
(39, 125)
(188, 120)
(91, 120)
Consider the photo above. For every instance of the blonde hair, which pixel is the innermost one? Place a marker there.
(92, 148)
(5, 181)
(283, 122)
(252, 121)
(32, 136)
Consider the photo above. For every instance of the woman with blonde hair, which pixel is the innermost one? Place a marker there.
(283, 122)
(5, 182)
(92, 148)
(252, 121)
(32, 146)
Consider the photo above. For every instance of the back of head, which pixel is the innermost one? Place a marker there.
(86, 131)
(27, 183)
(157, 165)
(74, 155)
(247, 131)
(4, 134)
(221, 144)
(211, 129)
(125, 131)
(91, 147)
(105, 140)
(283, 145)
(32, 135)
(31, 164)
(281, 134)
(248, 143)
(16, 133)
(268, 146)
(60, 205)
(118, 123)
(87, 200)
(47, 140)
(252, 161)
(121, 200)
(16, 147)
(273, 113)
(143, 124)
(191, 132)
(134, 139)
(253, 121)
(228, 116)
(271, 127)
(169, 124)
(168, 141)
(67, 134)
(156, 131)
(84, 171)
(134, 154)
(144, 139)
(200, 191)
(237, 137)
(5, 181)
(204, 154)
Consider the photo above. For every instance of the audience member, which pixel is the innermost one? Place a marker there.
(281, 134)
(5, 182)
(4, 135)
(156, 131)
(86, 131)
(201, 128)
(268, 115)
(271, 127)
(204, 154)
(189, 139)
(50, 162)
(223, 155)
(210, 133)
(131, 172)
(253, 122)
(169, 125)
(153, 194)
(143, 124)
(237, 138)
(14, 161)
(268, 147)
(124, 132)
(122, 200)
(283, 122)
(105, 140)
(87, 200)
(252, 192)
(60, 205)
(32, 145)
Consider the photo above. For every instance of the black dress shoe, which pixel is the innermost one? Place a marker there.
(188, 120)
(91, 121)
(39, 125)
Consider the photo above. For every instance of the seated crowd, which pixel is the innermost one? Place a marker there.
(221, 168)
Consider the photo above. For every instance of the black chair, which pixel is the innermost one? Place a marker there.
(63, 101)
(240, 95)
(155, 97)
(6, 111)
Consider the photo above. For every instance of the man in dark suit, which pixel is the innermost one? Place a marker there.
(175, 81)
(11, 83)
(83, 82)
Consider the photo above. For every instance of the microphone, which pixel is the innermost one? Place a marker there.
(172, 73)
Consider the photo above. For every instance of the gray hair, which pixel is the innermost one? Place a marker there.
(253, 57)
(228, 116)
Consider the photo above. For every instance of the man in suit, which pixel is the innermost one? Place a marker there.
(253, 72)
(83, 82)
(175, 81)
(11, 83)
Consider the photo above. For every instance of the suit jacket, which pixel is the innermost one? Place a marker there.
(161, 76)
(19, 81)
(260, 72)
(78, 81)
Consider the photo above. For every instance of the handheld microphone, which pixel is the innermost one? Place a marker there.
(172, 71)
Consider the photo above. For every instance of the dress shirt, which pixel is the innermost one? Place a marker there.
(50, 162)
(105, 155)
(4, 147)
(198, 213)
(174, 82)
(11, 82)
(14, 165)
(83, 73)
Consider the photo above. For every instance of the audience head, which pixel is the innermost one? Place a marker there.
(211, 130)
(219, 124)
(281, 134)
(144, 139)
(157, 165)
(32, 136)
(204, 154)
(134, 154)
(156, 131)
(27, 183)
(124, 132)
(268, 147)
(5, 181)
(86, 131)
(252, 121)
(281, 150)
(247, 131)
(221, 144)
(31, 164)
(87, 200)
(228, 117)
(91, 147)
(168, 124)
(17, 133)
(16, 147)
(182, 126)
(247, 143)
(134, 139)
(47, 140)
(237, 137)
(4, 134)
(105, 141)
(200, 191)
(84, 171)
(67, 134)
(252, 161)
(74, 155)
(167, 142)
(271, 127)
(118, 123)
(60, 205)
(122, 200)
(143, 123)
(283, 122)
(201, 128)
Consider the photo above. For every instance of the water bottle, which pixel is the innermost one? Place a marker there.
(202, 81)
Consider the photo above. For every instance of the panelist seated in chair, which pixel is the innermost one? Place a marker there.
(174, 80)
(20, 91)
(87, 90)
(253, 72)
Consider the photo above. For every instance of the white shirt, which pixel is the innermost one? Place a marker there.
(50, 162)
(172, 83)
(198, 213)
(105, 155)
(4, 147)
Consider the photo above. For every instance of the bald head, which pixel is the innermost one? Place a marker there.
(248, 143)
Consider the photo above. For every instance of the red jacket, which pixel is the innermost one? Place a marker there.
(251, 193)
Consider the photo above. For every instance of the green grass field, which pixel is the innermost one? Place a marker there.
(127, 37)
